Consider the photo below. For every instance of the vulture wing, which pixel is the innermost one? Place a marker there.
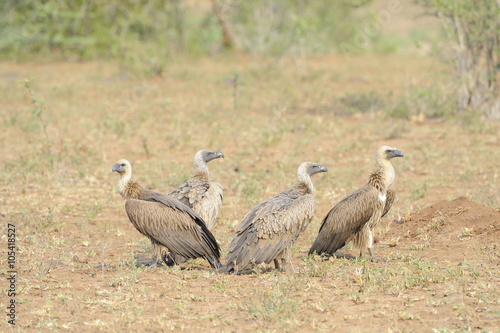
(202, 196)
(269, 228)
(172, 224)
(345, 219)
(191, 192)
(391, 195)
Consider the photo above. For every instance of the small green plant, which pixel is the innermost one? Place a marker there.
(316, 266)
(37, 113)
(221, 285)
(276, 303)
(466, 234)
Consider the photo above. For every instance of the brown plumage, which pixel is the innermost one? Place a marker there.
(355, 216)
(199, 192)
(391, 195)
(169, 224)
(268, 231)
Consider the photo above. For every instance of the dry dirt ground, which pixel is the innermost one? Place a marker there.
(76, 250)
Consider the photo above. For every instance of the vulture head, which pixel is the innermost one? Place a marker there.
(202, 157)
(125, 171)
(387, 153)
(313, 168)
(307, 169)
(207, 155)
(122, 167)
(383, 156)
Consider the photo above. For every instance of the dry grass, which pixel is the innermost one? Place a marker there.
(77, 249)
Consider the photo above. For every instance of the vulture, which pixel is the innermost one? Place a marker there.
(199, 193)
(168, 223)
(269, 230)
(355, 216)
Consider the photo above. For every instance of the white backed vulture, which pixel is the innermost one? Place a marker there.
(169, 224)
(268, 231)
(200, 193)
(355, 216)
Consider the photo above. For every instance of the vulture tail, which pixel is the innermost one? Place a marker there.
(215, 264)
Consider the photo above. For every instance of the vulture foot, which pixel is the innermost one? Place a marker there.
(343, 256)
(231, 270)
(147, 262)
(375, 259)
(170, 260)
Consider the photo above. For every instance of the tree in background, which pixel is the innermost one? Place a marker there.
(473, 30)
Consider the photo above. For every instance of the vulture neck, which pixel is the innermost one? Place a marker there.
(305, 179)
(302, 188)
(127, 188)
(385, 174)
(200, 165)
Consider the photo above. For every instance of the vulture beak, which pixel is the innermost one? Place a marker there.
(316, 168)
(211, 155)
(394, 153)
(398, 153)
(118, 168)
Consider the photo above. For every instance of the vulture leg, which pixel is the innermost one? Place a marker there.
(277, 264)
(174, 259)
(170, 259)
(283, 267)
(370, 249)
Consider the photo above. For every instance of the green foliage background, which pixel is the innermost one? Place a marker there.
(148, 30)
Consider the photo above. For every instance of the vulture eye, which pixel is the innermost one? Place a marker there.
(123, 164)
(388, 151)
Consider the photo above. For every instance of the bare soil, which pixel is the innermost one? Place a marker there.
(469, 222)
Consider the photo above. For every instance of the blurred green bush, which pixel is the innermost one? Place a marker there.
(130, 30)
(147, 32)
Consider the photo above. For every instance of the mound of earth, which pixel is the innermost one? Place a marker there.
(448, 228)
